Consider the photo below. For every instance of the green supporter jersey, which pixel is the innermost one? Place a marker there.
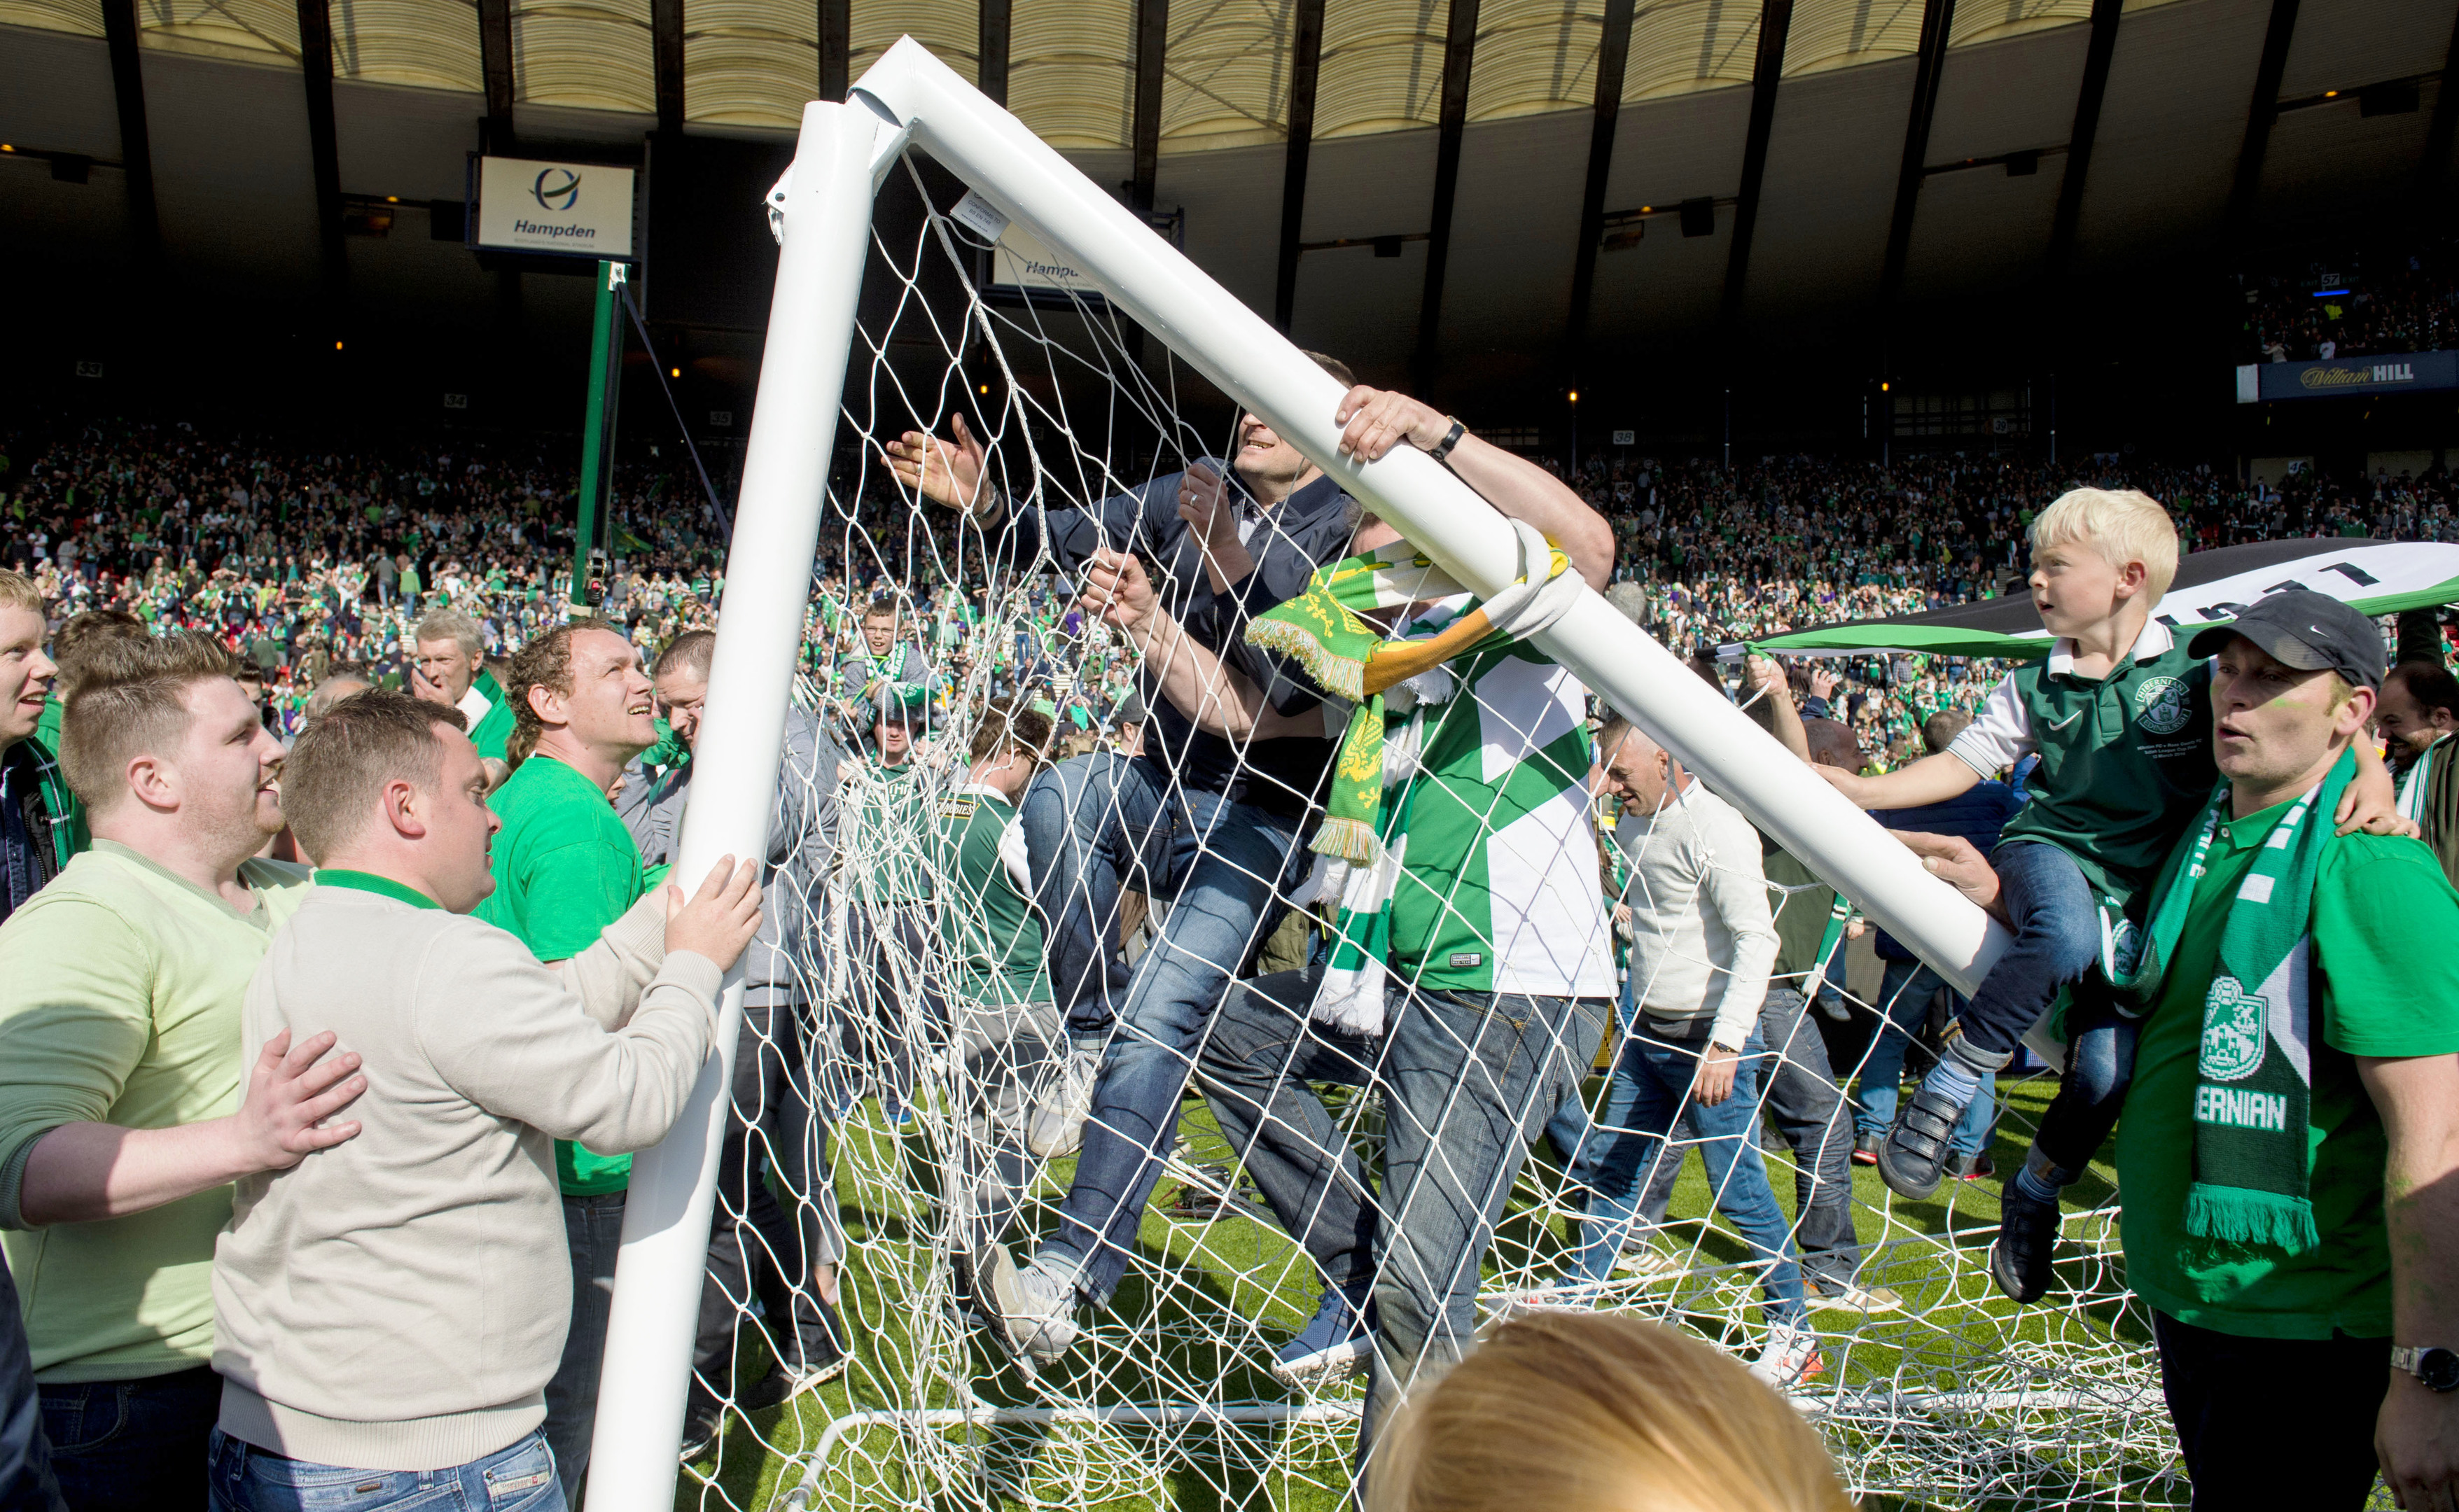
(566, 868)
(120, 989)
(2376, 993)
(490, 714)
(1499, 888)
(990, 923)
(2126, 760)
(885, 833)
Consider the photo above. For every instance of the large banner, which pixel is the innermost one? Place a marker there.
(2396, 372)
(577, 209)
(2212, 587)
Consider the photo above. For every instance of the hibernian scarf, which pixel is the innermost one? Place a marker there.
(2253, 1172)
(1363, 840)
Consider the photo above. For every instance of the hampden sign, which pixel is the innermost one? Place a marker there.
(576, 209)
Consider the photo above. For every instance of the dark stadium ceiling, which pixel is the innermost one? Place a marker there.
(2180, 81)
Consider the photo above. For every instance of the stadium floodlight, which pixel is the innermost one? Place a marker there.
(911, 100)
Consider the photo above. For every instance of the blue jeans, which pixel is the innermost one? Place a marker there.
(517, 1477)
(133, 1445)
(1650, 1089)
(2058, 943)
(1801, 1098)
(1904, 993)
(1468, 1079)
(593, 1228)
(1088, 824)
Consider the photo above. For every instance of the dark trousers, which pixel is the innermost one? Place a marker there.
(133, 1445)
(751, 1234)
(27, 1483)
(593, 1230)
(2269, 1424)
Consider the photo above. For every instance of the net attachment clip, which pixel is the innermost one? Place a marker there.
(776, 203)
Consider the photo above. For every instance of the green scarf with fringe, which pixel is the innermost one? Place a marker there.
(1322, 631)
(2254, 1168)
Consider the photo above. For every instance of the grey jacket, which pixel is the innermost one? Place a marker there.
(784, 961)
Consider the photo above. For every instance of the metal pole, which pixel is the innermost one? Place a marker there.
(1239, 350)
(598, 426)
(827, 239)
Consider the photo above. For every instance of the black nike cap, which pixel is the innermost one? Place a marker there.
(2309, 631)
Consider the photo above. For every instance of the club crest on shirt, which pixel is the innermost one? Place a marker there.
(2234, 1032)
(2161, 706)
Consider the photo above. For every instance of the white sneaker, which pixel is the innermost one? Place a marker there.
(1788, 1356)
(1570, 1297)
(1055, 1124)
(1646, 1262)
(1037, 1315)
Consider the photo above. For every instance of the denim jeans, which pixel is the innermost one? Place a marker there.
(2058, 943)
(1905, 995)
(593, 1228)
(1649, 1091)
(1467, 1080)
(1800, 1095)
(133, 1445)
(1088, 825)
(2100, 1065)
(27, 1483)
(750, 1234)
(517, 1477)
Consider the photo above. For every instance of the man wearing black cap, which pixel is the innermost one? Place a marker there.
(2289, 1155)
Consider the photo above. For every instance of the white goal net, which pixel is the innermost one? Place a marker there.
(904, 1107)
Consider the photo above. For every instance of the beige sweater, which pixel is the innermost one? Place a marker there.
(399, 1302)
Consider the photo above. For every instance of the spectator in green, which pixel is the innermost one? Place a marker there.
(450, 667)
(38, 815)
(126, 1111)
(566, 868)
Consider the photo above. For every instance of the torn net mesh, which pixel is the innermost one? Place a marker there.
(1958, 1397)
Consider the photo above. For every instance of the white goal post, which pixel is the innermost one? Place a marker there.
(911, 99)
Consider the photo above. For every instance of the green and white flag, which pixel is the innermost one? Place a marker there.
(2377, 577)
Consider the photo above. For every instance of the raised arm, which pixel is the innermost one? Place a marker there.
(1219, 700)
(1376, 420)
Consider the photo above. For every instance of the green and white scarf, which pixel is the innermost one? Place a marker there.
(1362, 841)
(2253, 1167)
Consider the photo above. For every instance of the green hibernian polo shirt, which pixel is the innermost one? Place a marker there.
(566, 868)
(2126, 760)
(2377, 992)
(120, 986)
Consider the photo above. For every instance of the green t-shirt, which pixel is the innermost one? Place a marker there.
(120, 989)
(992, 925)
(489, 728)
(566, 868)
(2376, 993)
(891, 833)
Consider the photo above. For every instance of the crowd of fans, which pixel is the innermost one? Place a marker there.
(2359, 302)
(301, 557)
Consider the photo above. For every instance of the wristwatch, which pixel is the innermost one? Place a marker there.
(1451, 439)
(2436, 1369)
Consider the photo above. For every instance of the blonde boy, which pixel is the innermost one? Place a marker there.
(2120, 715)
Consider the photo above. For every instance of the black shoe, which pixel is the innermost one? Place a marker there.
(1911, 1156)
(2027, 1239)
(701, 1427)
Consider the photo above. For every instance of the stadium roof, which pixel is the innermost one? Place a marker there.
(1915, 147)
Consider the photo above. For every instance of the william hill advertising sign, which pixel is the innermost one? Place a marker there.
(577, 209)
(2391, 372)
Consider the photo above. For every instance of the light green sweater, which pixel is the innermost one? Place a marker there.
(398, 1302)
(120, 1003)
